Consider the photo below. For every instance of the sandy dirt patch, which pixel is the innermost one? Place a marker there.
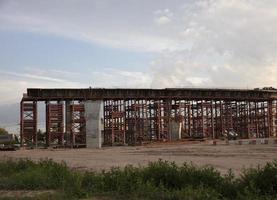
(222, 157)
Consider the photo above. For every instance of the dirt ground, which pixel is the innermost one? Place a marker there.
(222, 157)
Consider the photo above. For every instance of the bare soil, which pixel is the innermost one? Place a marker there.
(222, 157)
(18, 194)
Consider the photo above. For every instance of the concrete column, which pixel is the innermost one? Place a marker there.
(93, 113)
(175, 130)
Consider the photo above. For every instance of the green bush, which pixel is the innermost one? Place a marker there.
(159, 180)
(261, 180)
(3, 131)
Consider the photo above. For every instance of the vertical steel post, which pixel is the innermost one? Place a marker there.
(269, 118)
(21, 123)
(212, 119)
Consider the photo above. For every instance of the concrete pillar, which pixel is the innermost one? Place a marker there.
(175, 130)
(180, 131)
(93, 113)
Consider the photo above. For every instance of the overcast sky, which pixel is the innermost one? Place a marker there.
(136, 43)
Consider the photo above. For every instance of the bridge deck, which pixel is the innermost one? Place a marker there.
(167, 93)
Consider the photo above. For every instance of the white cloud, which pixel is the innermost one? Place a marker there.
(107, 24)
(13, 85)
(33, 76)
(162, 20)
(163, 16)
(115, 78)
(203, 43)
(231, 44)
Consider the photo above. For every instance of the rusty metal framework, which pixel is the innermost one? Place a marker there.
(114, 122)
(28, 122)
(54, 124)
(138, 121)
(137, 116)
(78, 125)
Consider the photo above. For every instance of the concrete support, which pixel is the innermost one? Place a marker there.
(93, 113)
(175, 130)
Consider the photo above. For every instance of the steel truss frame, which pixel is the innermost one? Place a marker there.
(54, 124)
(77, 125)
(137, 121)
(28, 123)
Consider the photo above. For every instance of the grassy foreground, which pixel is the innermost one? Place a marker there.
(159, 180)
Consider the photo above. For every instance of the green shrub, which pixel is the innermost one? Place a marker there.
(3, 131)
(26, 174)
(261, 180)
(159, 180)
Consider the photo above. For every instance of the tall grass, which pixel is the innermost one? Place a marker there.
(158, 180)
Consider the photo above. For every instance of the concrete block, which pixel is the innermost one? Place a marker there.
(93, 113)
(175, 130)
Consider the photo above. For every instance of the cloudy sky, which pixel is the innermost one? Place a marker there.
(136, 43)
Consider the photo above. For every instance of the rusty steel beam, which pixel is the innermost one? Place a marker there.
(168, 93)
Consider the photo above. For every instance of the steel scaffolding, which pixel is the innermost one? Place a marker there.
(137, 116)
(154, 120)
(28, 123)
(54, 124)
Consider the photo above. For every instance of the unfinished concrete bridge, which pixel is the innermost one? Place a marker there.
(81, 117)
